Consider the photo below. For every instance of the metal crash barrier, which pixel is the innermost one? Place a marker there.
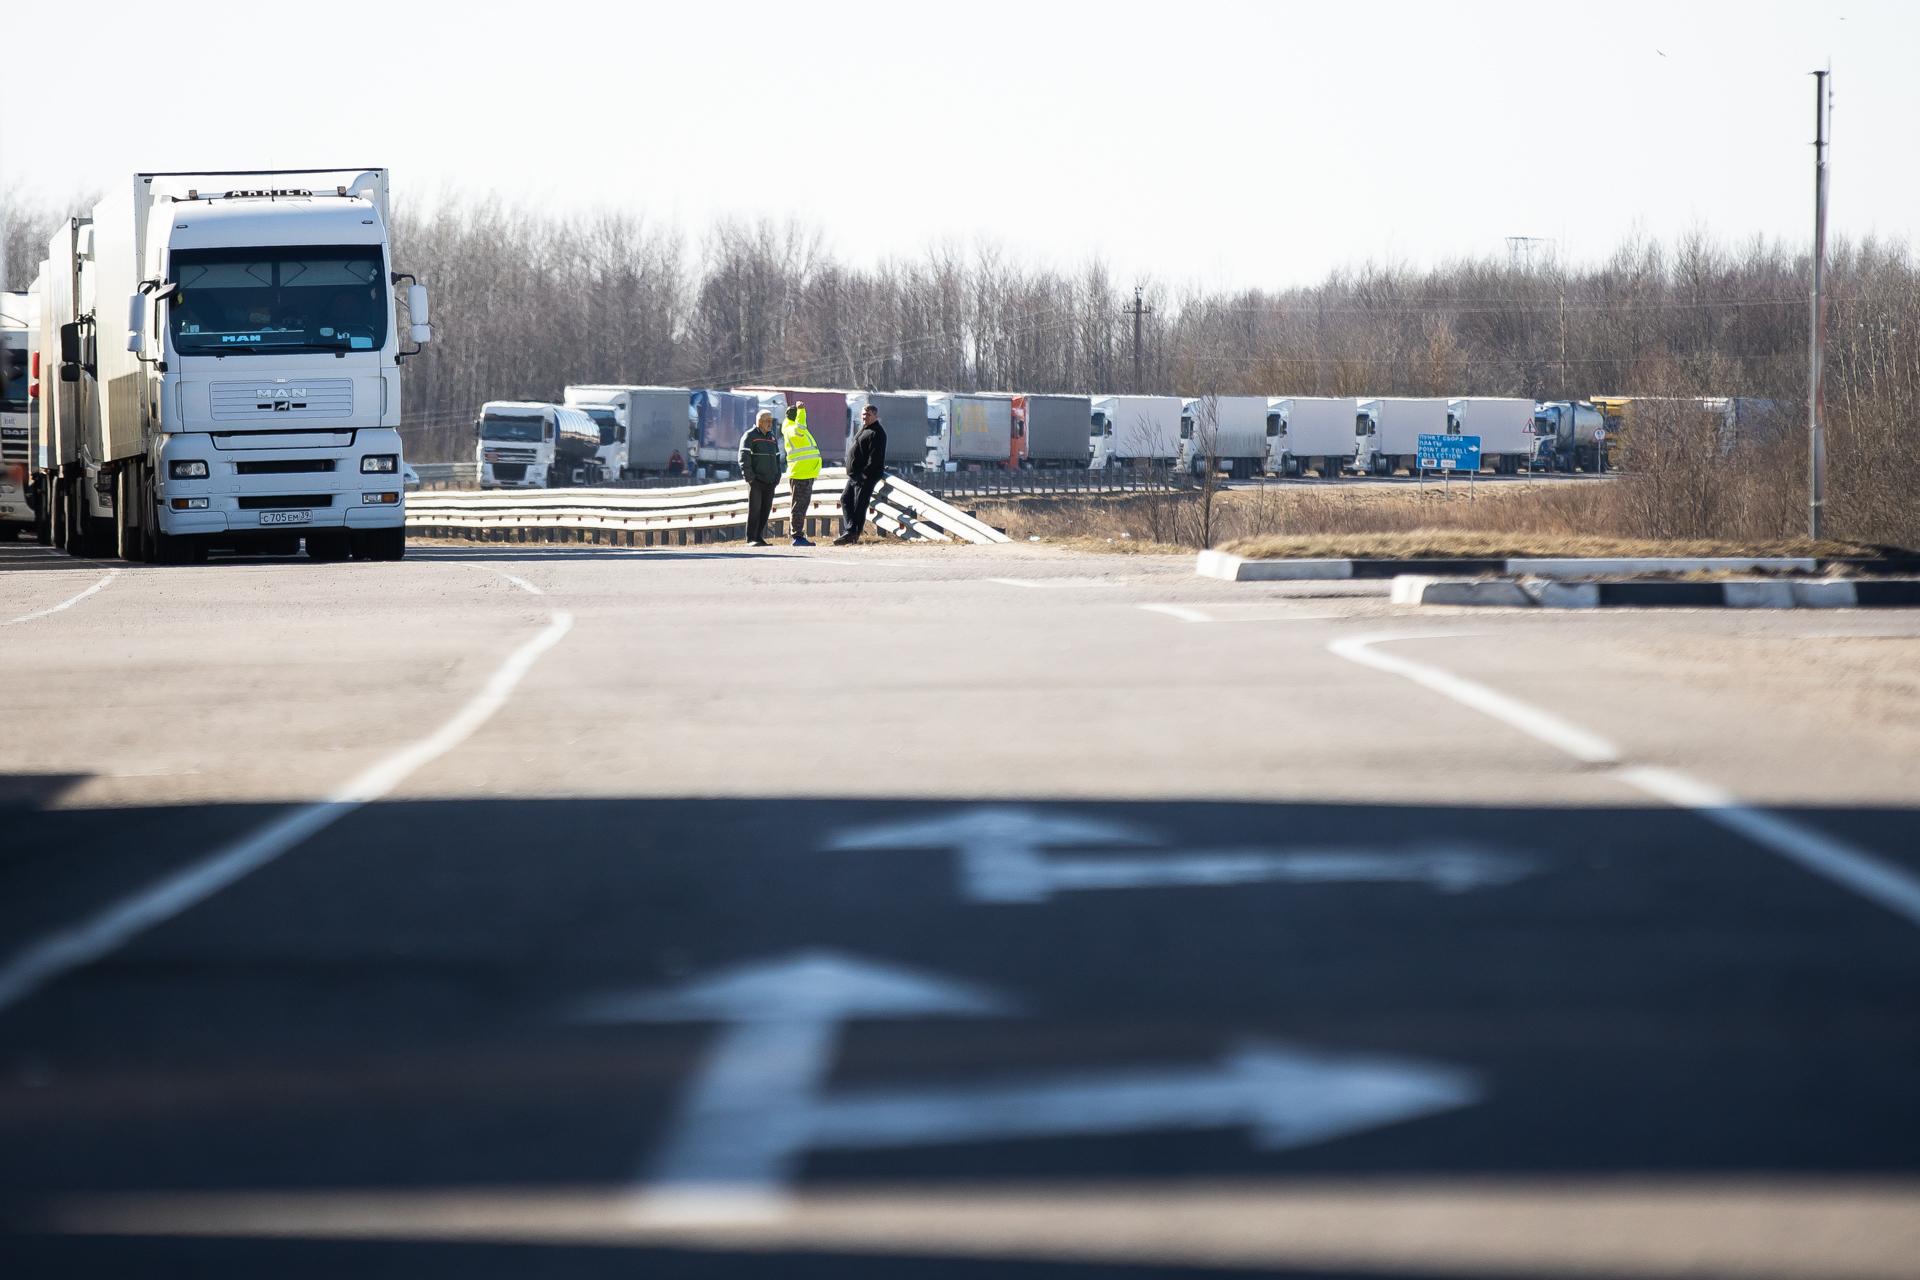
(681, 517)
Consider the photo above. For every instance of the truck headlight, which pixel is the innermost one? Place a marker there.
(378, 499)
(385, 463)
(190, 504)
(189, 469)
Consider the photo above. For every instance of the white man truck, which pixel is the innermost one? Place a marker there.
(524, 444)
(1128, 430)
(1320, 433)
(230, 345)
(1231, 430)
(652, 426)
(1504, 425)
(19, 511)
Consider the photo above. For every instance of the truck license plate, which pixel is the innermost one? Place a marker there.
(286, 517)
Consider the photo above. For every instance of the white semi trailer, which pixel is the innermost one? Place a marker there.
(1232, 430)
(1320, 433)
(653, 425)
(524, 444)
(229, 368)
(1397, 425)
(1134, 429)
(1505, 428)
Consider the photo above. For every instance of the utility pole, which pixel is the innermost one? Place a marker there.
(1816, 408)
(1137, 311)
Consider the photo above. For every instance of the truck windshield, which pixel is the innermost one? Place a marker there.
(605, 420)
(13, 369)
(302, 298)
(1099, 425)
(501, 427)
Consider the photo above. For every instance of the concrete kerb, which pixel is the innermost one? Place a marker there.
(1547, 593)
(1232, 568)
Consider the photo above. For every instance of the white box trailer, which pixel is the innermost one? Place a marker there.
(1136, 428)
(19, 339)
(1398, 424)
(1505, 428)
(655, 421)
(1320, 433)
(1232, 429)
(979, 429)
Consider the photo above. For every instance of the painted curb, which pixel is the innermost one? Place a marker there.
(1827, 593)
(1231, 568)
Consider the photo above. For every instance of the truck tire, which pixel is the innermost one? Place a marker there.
(329, 545)
(380, 544)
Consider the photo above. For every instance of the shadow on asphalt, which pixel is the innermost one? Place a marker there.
(1636, 992)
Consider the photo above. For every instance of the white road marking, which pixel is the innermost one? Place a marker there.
(64, 604)
(521, 583)
(1003, 858)
(1549, 728)
(1044, 583)
(1179, 611)
(759, 1101)
(112, 928)
(1867, 874)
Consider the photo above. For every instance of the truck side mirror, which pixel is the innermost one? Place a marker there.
(619, 435)
(69, 371)
(69, 346)
(136, 320)
(422, 334)
(476, 428)
(417, 304)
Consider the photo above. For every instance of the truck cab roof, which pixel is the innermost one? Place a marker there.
(261, 221)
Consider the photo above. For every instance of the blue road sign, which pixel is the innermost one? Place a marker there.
(1450, 453)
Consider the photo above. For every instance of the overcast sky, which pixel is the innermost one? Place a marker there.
(1227, 144)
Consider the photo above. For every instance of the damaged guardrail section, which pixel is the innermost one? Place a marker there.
(682, 517)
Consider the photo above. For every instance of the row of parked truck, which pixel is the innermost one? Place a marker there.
(608, 432)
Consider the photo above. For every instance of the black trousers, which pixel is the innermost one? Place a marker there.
(759, 504)
(853, 505)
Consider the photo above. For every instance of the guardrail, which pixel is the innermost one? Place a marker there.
(681, 517)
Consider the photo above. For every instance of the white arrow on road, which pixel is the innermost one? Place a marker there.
(1003, 858)
(757, 1104)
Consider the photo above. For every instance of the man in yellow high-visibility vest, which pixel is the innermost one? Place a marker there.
(803, 468)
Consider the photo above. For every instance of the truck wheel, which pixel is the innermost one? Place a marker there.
(329, 545)
(380, 544)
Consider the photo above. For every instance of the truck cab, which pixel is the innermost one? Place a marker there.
(1100, 432)
(524, 444)
(611, 457)
(1366, 434)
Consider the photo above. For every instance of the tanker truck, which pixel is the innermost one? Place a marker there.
(524, 444)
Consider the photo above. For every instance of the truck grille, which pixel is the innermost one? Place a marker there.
(328, 398)
(290, 466)
(509, 471)
(13, 442)
(280, 502)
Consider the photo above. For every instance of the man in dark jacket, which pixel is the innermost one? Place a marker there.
(760, 468)
(866, 465)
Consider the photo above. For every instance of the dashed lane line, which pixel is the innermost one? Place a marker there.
(106, 932)
(1867, 874)
(64, 604)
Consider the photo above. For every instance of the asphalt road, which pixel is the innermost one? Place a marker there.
(943, 912)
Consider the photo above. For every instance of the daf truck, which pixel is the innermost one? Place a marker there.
(1564, 436)
(1128, 430)
(525, 444)
(1504, 425)
(1320, 433)
(232, 352)
(652, 424)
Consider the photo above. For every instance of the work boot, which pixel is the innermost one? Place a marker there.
(756, 542)
(801, 541)
(845, 540)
